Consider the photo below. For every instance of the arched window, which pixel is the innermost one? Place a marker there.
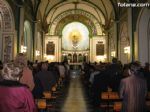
(7, 46)
(27, 39)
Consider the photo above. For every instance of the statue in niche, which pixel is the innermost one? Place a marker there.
(50, 48)
(100, 48)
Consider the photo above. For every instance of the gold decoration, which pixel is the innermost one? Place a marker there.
(75, 37)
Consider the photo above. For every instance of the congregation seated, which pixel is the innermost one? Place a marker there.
(109, 78)
(97, 78)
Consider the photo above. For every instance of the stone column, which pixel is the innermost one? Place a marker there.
(35, 41)
(21, 27)
(59, 50)
(91, 50)
(131, 38)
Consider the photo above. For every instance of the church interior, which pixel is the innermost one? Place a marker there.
(75, 55)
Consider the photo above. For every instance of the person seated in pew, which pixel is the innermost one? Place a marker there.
(38, 88)
(27, 76)
(93, 74)
(14, 96)
(114, 71)
(100, 84)
(46, 77)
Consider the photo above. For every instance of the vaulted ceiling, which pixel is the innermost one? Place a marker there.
(104, 9)
(105, 6)
(46, 10)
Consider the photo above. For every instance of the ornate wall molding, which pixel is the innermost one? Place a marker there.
(7, 17)
(8, 32)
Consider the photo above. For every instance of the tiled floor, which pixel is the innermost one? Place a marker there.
(75, 101)
(72, 98)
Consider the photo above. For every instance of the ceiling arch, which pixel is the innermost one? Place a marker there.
(82, 16)
(75, 17)
(102, 9)
(105, 6)
(7, 17)
(71, 6)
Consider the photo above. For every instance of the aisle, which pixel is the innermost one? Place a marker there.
(75, 101)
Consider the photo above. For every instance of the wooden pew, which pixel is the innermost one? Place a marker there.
(111, 101)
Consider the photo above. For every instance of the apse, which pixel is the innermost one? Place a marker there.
(75, 36)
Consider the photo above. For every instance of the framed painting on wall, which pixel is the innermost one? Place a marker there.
(99, 48)
(50, 48)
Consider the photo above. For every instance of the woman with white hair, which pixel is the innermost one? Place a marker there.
(27, 77)
(14, 96)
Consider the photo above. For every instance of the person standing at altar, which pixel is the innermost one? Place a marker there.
(27, 77)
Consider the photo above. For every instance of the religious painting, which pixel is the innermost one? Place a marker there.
(100, 48)
(50, 48)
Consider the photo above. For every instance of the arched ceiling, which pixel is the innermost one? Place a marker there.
(72, 18)
(105, 6)
(104, 10)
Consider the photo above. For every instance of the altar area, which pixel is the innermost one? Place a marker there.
(76, 45)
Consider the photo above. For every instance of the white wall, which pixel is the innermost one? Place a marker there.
(93, 42)
(55, 40)
(143, 36)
